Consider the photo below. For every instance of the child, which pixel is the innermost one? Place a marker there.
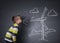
(11, 35)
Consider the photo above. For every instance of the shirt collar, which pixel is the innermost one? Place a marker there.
(15, 24)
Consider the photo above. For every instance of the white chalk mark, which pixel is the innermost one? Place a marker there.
(44, 29)
(34, 32)
(52, 11)
(35, 10)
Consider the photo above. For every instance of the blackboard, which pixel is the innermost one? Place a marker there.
(41, 19)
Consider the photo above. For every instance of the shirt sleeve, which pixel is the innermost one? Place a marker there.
(10, 36)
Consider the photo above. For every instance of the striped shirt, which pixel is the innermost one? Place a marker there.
(10, 35)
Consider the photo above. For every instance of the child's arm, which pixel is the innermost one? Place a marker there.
(10, 36)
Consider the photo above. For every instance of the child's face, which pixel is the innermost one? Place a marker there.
(17, 20)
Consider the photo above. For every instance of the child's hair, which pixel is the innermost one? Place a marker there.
(16, 16)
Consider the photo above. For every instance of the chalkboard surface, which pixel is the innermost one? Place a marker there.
(41, 19)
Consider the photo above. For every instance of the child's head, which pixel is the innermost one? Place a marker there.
(17, 19)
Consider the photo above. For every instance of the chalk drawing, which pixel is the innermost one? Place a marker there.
(52, 11)
(35, 10)
(44, 29)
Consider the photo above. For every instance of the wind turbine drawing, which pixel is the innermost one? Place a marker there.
(44, 29)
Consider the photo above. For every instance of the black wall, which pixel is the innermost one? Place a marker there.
(8, 8)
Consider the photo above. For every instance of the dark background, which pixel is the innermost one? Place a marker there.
(8, 8)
